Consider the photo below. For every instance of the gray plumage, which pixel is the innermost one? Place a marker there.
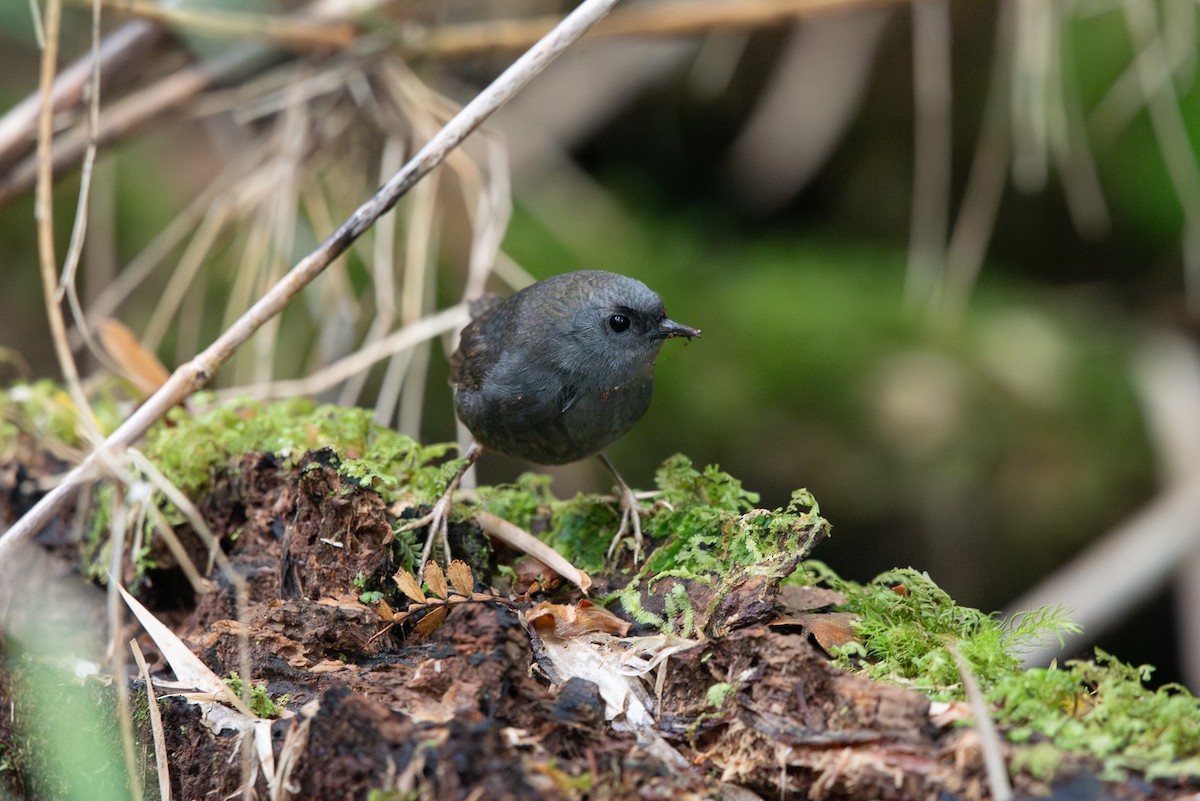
(562, 368)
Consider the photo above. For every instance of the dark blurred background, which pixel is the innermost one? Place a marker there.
(945, 255)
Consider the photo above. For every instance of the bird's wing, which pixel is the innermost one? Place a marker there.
(479, 346)
(567, 397)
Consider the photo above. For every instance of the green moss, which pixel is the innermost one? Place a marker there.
(192, 446)
(910, 629)
(1102, 707)
(711, 543)
(379, 794)
(259, 699)
(43, 411)
(719, 693)
(522, 502)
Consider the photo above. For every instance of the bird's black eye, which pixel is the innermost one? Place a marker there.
(618, 323)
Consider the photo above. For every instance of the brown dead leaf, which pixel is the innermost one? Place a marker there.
(808, 599)
(329, 666)
(461, 577)
(429, 624)
(344, 601)
(384, 610)
(139, 365)
(534, 576)
(572, 620)
(435, 579)
(409, 585)
(829, 629)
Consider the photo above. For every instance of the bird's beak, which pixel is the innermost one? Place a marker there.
(669, 328)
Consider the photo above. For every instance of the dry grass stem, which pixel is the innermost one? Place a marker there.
(119, 518)
(44, 215)
(976, 219)
(989, 738)
(67, 286)
(128, 115)
(383, 282)
(161, 762)
(674, 18)
(172, 91)
(326, 378)
(522, 540)
(292, 32)
(932, 153)
(1170, 132)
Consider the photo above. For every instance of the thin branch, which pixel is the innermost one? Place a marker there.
(196, 373)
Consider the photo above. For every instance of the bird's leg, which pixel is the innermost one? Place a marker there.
(438, 518)
(630, 513)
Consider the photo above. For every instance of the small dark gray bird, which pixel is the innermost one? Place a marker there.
(554, 374)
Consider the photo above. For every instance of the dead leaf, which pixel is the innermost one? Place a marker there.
(829, 629)
(565, 621)
(188, 667)
(808, 599)
(384, 610)
(429, 624)
(343, 601)
(533, 575)
(461, 577)
(435, 579)
(409, 585)
(140, 366)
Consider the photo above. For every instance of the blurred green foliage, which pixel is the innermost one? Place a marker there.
(1008, 440)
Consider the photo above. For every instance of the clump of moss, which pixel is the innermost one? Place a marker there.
(190, 447)
(909, 632)
(712, 543)
(1103, 707)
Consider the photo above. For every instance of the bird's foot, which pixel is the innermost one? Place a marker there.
(437, 520)
(437, 523)
(631, 518)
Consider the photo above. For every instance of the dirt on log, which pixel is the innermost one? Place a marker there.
(467, 710)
